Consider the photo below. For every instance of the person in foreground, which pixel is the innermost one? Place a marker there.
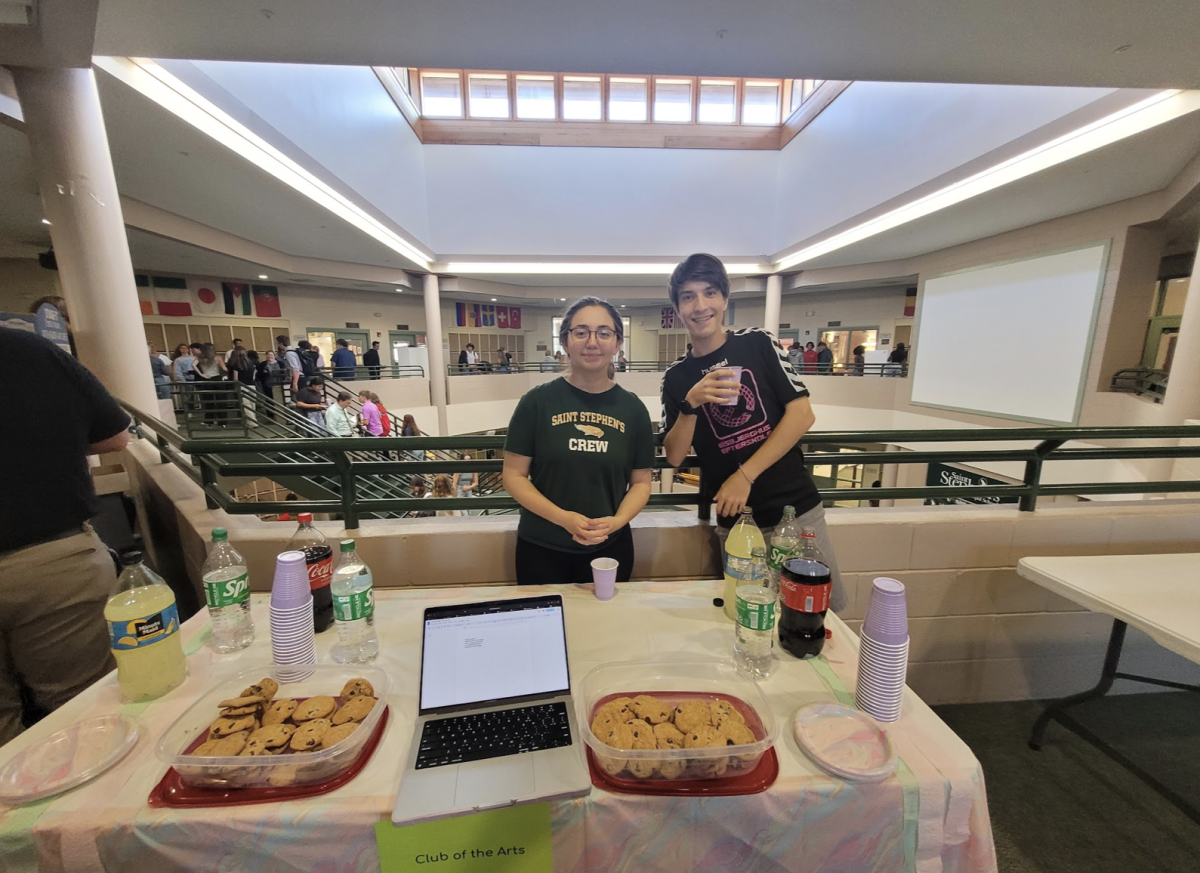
(55, 573)
(749, 451)
(578, 458)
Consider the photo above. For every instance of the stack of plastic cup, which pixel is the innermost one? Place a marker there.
(292, 637)
(883, 653)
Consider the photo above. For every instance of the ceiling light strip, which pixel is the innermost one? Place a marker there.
(582, 268)
(1151, 112)
(154, 82)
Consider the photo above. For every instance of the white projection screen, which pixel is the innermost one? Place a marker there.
(1010, 340)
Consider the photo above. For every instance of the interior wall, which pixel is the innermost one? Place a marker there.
(486, 200)
(344, 119)
(1132, 300)
(880, 139)
(23, 281)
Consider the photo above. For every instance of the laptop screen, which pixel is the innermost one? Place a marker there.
(482, 653)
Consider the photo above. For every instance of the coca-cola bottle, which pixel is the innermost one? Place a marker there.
(804, 588)
(318, 556)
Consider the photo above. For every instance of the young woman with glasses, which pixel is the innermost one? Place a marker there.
(578, 458)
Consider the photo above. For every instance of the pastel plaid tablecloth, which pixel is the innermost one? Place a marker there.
(931, 816)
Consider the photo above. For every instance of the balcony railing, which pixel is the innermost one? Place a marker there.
(353, 462)
(1141, 381)
(553, 366)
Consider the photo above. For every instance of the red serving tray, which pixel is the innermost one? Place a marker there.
(754, 781)
(171, 791)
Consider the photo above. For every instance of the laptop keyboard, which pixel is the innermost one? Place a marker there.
(476, 736)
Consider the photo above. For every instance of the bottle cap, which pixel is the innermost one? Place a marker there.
(789, 510)
(758, 552)
(133, 556)
(305, 517)
(746, 510)
(809, 532)
(347, 545)
(219, 535)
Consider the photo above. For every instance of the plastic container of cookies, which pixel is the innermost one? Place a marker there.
(292, 768)
(707, 680)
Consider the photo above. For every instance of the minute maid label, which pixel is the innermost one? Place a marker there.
(141, 632)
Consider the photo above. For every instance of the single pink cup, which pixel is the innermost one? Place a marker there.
(604, 575)
(737, 380)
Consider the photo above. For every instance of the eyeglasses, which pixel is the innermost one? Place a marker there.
(583, 334)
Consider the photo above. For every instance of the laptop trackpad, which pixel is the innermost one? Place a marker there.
(490, 783)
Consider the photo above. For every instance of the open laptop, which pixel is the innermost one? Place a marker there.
(496, 724)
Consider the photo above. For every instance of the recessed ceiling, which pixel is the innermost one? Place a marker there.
(1151, 43)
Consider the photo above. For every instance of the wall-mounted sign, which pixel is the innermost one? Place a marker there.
(940, 474)
(834, 324)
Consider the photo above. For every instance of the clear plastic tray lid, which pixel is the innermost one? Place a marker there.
(67, 759)
(845, 742)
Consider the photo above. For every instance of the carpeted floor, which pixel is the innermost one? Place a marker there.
(1069, 807)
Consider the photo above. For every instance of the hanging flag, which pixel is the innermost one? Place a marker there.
(502, 316)
(514, 318)
(460, 314)
(910, 302)
(474, 319)
(206, 297)
(145, 294)
(266, 301)
(237, 298)
(668, 317)
(488, 314)
(173, 296)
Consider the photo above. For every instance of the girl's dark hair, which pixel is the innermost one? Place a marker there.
(858, 350)
(582, 303)
(699, 268)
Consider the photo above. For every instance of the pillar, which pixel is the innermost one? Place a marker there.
(79, 194)
(889, 475)
(437, 356)
(774, 299)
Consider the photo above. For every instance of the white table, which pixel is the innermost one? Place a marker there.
(1157, 594)
(931, 817)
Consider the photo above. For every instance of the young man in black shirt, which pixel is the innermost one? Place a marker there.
(55, 573)
(749, 449)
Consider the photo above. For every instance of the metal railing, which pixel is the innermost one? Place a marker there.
(355, 466)
(1141, 381)
(552, 366)
(361, 373)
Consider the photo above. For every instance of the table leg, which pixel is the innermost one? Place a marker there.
(1108, 674)
(1112, 657)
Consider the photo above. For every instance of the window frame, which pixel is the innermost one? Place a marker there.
(443, 74)
(494, 75)
(622, 78)
(754, 82)
(693, 97)
(555, 94)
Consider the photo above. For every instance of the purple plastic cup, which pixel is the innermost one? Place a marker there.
(886, 620)
(290, 588)
(737, 379)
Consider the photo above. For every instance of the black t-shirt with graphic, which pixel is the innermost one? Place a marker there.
(729, 435)
(583, 448)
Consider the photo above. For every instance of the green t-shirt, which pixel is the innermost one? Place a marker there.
(583, 449)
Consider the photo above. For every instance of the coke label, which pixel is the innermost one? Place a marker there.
(320, 570)
(804, 598)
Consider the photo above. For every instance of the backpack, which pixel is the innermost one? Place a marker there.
(384, 419)
(308, 362)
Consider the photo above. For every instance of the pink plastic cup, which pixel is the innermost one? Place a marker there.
(604, 575)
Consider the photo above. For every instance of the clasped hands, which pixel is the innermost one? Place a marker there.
(590, 531)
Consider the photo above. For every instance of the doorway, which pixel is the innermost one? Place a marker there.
(843, 341)
(325, 340)
(1160, 342)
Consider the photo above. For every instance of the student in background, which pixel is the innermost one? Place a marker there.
(443, 486)
(371, 360)
(467, 482)
(310, 401)
(859, 361)
(824, 359)
(339, 420)
(344, 361)
(371, 423)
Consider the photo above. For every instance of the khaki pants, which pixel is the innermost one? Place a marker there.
(814, 518)
(53, 638)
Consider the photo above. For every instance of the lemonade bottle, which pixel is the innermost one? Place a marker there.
(739, 549)
(143, 631)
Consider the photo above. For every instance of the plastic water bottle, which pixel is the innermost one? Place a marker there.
(227, 593)
(143, 630)
(353, 609)
(739, 546)
(755, 631)
(785, 543)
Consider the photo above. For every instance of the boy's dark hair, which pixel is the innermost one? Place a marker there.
(344, 395)
(282, 340)
(569, 316)
(343, 342)
(196, 346)
(304, 344)
(699, 268)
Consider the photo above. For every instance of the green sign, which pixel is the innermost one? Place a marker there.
(512, 840)
(940, 474)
